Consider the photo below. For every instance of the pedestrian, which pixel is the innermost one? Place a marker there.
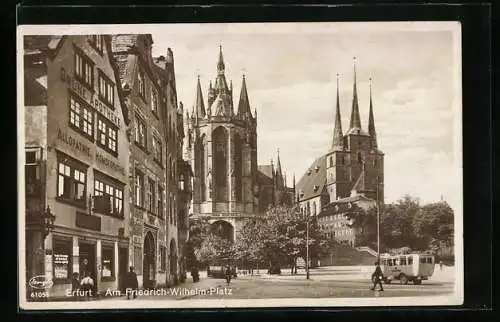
(75, 284)
(440, 265)
(377, 277)
(132, 285)
(228, 274)
(87, 286)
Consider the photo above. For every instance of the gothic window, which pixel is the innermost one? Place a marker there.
(220, 138)
(331, 161)
(238, 165)
(200, 166)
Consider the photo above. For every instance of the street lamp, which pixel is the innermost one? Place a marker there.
(307, 248)
(378, 221)
(48, 219)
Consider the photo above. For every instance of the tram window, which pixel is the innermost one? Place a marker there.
(429, 260)
(410, 260)
(423, 260)
(402, 261)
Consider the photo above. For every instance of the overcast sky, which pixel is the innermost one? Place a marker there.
(290, 71)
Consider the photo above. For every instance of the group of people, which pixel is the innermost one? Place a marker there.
(84, 288)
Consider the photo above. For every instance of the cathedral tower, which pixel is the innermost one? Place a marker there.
(354, 162)
(223, 153)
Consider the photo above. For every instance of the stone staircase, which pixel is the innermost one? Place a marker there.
(343, 255)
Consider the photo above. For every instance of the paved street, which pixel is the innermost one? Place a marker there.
(324, 282)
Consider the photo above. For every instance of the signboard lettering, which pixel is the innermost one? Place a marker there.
(110, 164)
(90, 98)
(69, 140)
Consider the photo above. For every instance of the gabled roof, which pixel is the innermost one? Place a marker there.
(266, 169)
(313, 182)
(343, 205)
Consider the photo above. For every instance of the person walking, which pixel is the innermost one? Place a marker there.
(228, 274)
(377, 277)
(131, 283)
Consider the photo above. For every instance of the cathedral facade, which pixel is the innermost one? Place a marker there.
(221, 146)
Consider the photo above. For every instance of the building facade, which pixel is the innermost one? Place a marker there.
(221, 146)
(352, 171)
(77, 155)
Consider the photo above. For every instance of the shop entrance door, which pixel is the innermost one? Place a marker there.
(148, 264)
(88, 263)
(122, 267)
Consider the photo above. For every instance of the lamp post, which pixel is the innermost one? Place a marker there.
(378, 221)
(307, 248)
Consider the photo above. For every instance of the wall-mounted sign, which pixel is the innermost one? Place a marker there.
(100, 159)
(71, 141)
(89, 97)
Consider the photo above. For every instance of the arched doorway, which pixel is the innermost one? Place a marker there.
(173, 262)
(148, 265)
(223, 229)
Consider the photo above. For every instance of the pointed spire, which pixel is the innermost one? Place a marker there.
(338, 140)
(244, 104)
(199, 105)
(294, 182)
(371, 121)
(355, 123)
(278, 164)
(220, 63)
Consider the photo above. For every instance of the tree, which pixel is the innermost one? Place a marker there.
(433, 225)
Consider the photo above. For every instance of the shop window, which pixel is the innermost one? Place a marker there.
(62, 259)
(108, 260)
(106, 90)
(157, 149)
(84, 69)
(97, 41)
(71, 181)
(107, 135)
(108, 196)
(140, 132)
(139, 188)
(151, 196)
(161, 210)
(81, 117)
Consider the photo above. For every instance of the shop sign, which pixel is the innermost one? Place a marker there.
(72, 142)
(100, 159)
(89, 97)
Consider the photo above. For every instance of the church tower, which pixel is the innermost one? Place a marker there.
(223, 152)
(354, 162)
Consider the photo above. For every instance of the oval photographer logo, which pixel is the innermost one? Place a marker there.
(40, 282)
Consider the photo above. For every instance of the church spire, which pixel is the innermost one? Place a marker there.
(371, 121)
(244, 105)
(199, 105)
(220, 63)
(337, 141)
(355, 123)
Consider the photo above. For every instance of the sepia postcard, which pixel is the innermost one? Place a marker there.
(240, 165)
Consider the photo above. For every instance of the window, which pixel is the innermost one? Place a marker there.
(163, 258)
(81, 116)
(62, 254)
(410, 260)
(429, 260)
(71, 181)
(84, 69)
(108, 196)
(107, 256)
(107, 135)
(157, 149)
(106, 89)
(154, 101)
(97, 42)
(161, 211)
(330, 160)
(151, 196)
(139, 188)
(341, 160)
(141, 82)
(32, 175)
(140, 132)
(402, 260)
